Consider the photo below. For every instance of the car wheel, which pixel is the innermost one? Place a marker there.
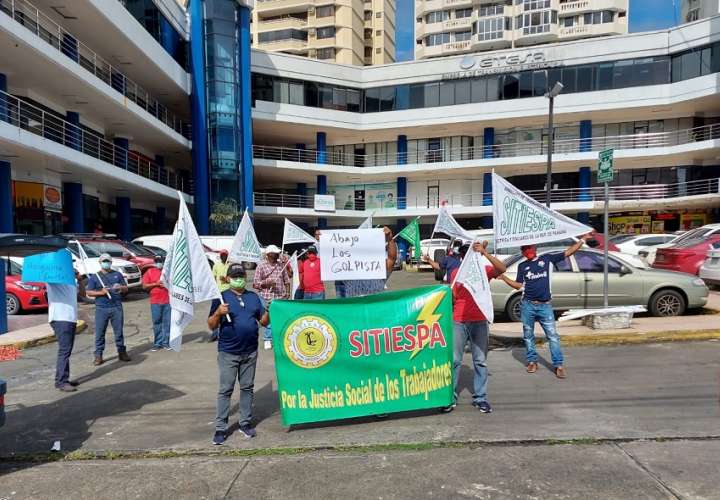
(12, 304)
(667, 303)
(512, 309)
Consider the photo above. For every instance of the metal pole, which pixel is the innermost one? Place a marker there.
(606, 245)
(548, 176)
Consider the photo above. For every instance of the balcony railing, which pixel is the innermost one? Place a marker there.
(49, 126)
(594, 194)
(510, 150)
(41, 25)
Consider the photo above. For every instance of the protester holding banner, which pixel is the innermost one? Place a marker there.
(359, 288)
(470, 324)
(449, 262)
(107, 287)
(62, 316)
(534, 274)
(272, 281)
(159, 305)
(310, 281)
(237, 350)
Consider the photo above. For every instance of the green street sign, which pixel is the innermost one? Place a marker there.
(605, 166)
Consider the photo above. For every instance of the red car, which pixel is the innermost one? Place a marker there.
(139, 256)
(688, 253)
(20, 295)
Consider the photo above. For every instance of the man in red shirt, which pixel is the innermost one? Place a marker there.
(310, 282)
(470, 324)
(159, 305)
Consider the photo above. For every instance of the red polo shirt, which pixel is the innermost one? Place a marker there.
(310, 276)
(464, 307)
(159, 294)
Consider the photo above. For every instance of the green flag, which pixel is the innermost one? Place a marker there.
(411, 234)
(383, 353)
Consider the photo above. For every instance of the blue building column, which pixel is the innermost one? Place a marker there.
(121, 152)
(200, 164)
(301, 189)
(487, 189)
(321, 188)
(69, 46)
(73, 207)
(6, 199)
(160, 219)
(585, 173)
(3, 99)
(245, 108)
(402, 150)
(585, 136)
(124, 217)
(321, 147)
(72, 134)
(488, 142)
(401, 193)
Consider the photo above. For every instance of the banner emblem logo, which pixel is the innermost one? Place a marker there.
(310, 342)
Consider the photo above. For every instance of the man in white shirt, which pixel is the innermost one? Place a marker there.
(62, 316)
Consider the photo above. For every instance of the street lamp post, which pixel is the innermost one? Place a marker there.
(551, 95)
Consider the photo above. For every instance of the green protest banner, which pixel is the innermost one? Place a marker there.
(383, 353)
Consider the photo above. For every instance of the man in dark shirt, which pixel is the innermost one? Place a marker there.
(237, 349)
(534, 274)
(108, 287)
(448, 263)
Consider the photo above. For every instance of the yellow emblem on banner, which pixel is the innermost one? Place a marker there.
(310, 342)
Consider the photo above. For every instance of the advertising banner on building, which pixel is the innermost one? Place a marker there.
(52, 199)
(383, 353)
(324, 203)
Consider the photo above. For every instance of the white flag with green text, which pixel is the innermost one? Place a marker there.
(472, 275)
(245, 247)
(447, 224)
(519, 219)
(293, 234)
(186, 274)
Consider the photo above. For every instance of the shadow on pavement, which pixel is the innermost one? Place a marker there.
(34, 429)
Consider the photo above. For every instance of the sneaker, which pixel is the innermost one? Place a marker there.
(483, 406)
(66, 388)
(219, 438)
(268, 345)
(448, 409)
(74, 383)
(98, 361)
(532, 367)
(167, 348)
(247, 431)
(123, 356)
(154, 349)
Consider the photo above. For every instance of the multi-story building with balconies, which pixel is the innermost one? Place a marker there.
(358, 32)
(694, 10)
(449, 27)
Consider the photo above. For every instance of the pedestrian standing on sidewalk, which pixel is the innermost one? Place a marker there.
(237, 350)
(219, 271)
(310, 281)
(159, 305)
(471, 325)
(272, 281)
(534, 274)
(108, 287)
(62, 316)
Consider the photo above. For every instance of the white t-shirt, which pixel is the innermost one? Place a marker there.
(62, 300)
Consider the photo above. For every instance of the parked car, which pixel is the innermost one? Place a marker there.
(577, 283)
(687, 253)
(130, 271)
(632, 244)
(118, 249)
(436, 248)
(650, 254)
(162, 241)
(155, 250)
(710, 269)
(21, 295)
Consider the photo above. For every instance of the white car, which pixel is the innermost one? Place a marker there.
(632, 244)
(129, 271)
(163, 241)
(710, 270)
(435, 248)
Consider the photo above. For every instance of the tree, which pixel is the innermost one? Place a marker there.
(224, 216)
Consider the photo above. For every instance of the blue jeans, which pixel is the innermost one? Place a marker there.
(543, 313)
(232, 367)
(267, 334)
(478, 334)
(65, 334)
(340, 289)
(314, 295)
(161, 324)
(103, 316)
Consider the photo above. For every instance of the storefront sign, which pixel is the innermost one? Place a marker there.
(324, 203)
(28, 195)
(352, 254)
(52, 199)
(472, 66)
(383, 353)
(633, 224)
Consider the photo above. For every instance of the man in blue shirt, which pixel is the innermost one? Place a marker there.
(449, 262)
(534, 273)
(237, 349)
(108, 287)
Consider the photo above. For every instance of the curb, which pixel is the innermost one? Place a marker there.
(47, 339)
(618, 338)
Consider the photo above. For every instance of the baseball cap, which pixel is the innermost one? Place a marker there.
(159, 258)
(312, 249)
(272, 249)
(105, 257)
(223, 252)
(236, 271)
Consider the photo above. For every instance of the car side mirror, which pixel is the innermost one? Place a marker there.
(625, 270)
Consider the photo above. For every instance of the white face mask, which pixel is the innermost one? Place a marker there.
(159, 265)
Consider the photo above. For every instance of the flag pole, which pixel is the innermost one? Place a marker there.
(416, 218)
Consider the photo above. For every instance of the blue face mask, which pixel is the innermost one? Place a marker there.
(106, 265)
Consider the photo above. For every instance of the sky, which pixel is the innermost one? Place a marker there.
(645, 15)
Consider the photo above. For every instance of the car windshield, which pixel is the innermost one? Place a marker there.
(138, 250)
(691, 242)
(622, 238)
(693, 234)
(90, 252)
(100, 247)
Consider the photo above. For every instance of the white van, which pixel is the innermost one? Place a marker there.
(218, 243)
(163, 241)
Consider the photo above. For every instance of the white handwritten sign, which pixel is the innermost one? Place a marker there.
(352, 254)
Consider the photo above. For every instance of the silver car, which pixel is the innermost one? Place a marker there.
(577, 283)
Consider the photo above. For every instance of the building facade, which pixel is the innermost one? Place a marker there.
(450, 27)
(357, 32)
(694, 10)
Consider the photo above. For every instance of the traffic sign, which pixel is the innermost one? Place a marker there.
(605, 166)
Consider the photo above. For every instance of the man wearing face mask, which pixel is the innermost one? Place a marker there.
(534, 274)
(449, 262)
(237, 350)
(272, 281)
(107, 287)
(159, 305)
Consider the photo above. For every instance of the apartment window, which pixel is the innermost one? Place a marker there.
(280, 35)
(491, 10)
(534, 22)
(490, 29)
(378, 15)
(378, 32)
(437, 17)
(692, 15)
(368, 51)
(437, 39)
(461, 36)
(600, 17)
(534, 4)
(326, 53)
(325, 11)
(463, 13)
(568, 22)
(325, 32)
(368, 33)
(368, 15)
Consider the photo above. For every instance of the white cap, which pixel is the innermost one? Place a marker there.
(105, 257)
(272, 249)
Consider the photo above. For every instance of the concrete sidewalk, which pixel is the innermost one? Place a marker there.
(34, 335)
